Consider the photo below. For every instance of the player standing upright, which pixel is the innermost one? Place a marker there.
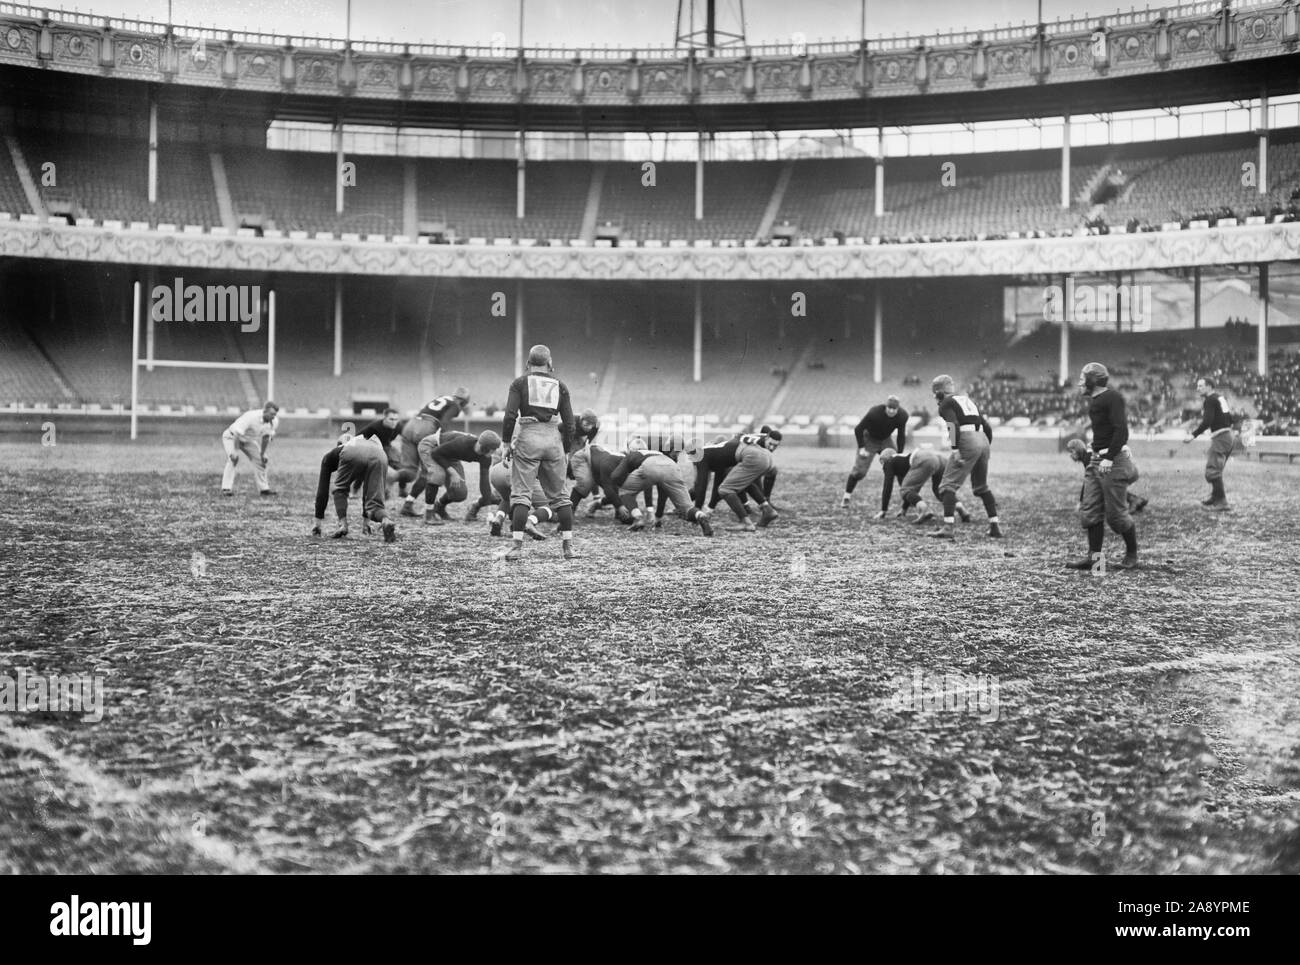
(538, 403)
(1215, 420)
(250, 434)
(872, 434)
(1109, 472)
(970, 436)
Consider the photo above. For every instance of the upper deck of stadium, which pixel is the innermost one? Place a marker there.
(1165, 58)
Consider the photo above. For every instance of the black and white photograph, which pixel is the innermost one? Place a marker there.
(651, 437)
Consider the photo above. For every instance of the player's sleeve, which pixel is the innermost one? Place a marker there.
(701, 487)
(607, 485)
(622, 470)
(512, 412)
(902, 430)
(1118, 419)
(1207, 415)
(887, 489)
(859, 430)
(566, 417)
(485, 479)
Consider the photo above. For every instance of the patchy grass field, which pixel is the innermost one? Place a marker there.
(664, 703)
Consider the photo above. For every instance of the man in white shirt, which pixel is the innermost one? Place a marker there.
(250, 434)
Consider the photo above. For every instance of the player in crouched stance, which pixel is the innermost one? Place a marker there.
(443, 458)
(753, 461)
(538, 405)
(1109, 474)
(643, 468)
(250, 434)
(499, 477)
(912, 470)
(363, 459)
(970, 438)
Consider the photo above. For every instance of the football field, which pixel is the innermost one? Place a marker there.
(830, 694)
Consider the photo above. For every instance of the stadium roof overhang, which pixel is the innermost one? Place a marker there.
(33, 90)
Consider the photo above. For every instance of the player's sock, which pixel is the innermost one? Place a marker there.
(1130, 541)
(564, 515)
(990, 506)
(1096, 533)
(733, 501)
(518, 520)
(994, 519)
(949, 506)
(1217, 491)
(850, 484)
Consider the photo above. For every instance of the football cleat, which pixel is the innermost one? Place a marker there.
(567, 546)
(431, 518)
(845, 500)
(408, 508)
(943, 532)
(1218, 506)
(315, 530)
(995, 531)
(340, 532)
(659, 522)
(923, 518)
(706, 527)
(747, 525)
(472, 515)
(516, 553)
(390, 531)
(769, 515)
(495, 528)
(269, 492)
(1129, 562)
(638, 524)
(1079, 563)
(227, 492)
(441, 509)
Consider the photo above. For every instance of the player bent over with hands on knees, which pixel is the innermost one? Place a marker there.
(913, 470)
(872, 434)
(538, 406)
(250, 434)
(643, 468)
(1110, 471)
(363, 459)
(429, 421)
(970, 436)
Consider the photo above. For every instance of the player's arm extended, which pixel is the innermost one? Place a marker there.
(607, 485)
(512, 413)
(485, 479)
(902, 431)
(887, 489)
(859, 432)
(701, 487)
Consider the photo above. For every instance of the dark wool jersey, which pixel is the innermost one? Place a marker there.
(459, 447)
(631, 463)
(444, 409)
(385, 433)
(1213, 415)
(897, 470)
(878, 425)
(541, 396)
(1109, 423)
(961, 411)
(603, 464)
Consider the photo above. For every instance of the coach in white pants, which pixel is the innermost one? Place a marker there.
(250, 434)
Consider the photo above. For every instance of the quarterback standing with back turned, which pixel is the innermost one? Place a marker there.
(538, 405)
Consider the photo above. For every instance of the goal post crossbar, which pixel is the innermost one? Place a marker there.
(136, 362)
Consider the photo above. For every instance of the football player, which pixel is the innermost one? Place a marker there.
(872, 434)
(431, 418)
(443, 457)
(538, 404)
(329, 464)
(499, 476)
(913, 470)
(643, 468)
(250, 434)
(1215, 420)
(1079, 452)
(753, 460)
(593, 474)
(1110, 471)
(970, 436)
(362, 460)
(718, 458)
